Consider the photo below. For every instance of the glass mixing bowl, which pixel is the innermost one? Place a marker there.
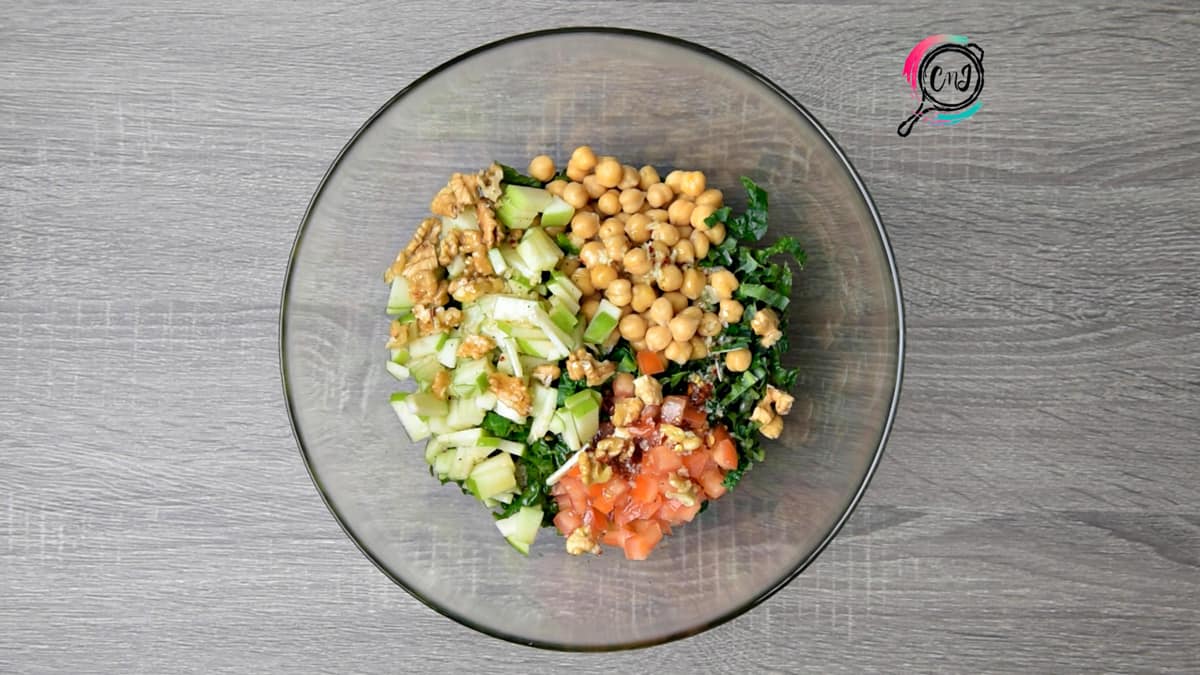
(644, 98)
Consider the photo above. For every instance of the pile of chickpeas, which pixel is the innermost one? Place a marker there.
(639, 237)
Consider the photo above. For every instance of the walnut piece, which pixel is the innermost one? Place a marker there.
(682, 489)
(458, 193)
(476, 347)
(436, 319)
(489, 182)
(779, 399)
(546, 373)
(773, 428)
(466, 289)
(648, 390)
(441, 384)
(511, 391)
(614, 447)
(626, 411)
(580, 541)
(593, 471)
(770, 411)
(583, 366)
(682, 442)
(766, 324)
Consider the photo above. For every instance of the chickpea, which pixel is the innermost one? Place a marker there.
(602, 276)
(622, 385)
(701, 214)
(589, 308)
(611, 227)
(609, 172)
(666, 233)
(684, 231)
(731, 311)
(679, 352)
(693, 281)
(575, 195)
(660, 252)
(647, 176)
(576, 240)
(673, 179)
(585, 224)
(724, 283)
(609, 203)
(568, 265)
(638, 228)
(632, 327)
(710, 324)
(669, 278)
(638, 345)
(629, 177)
(657, 338)
(700, 244)
(679, 301)
(699, 347)
(631, 200)
(593, 253)
(622, 216)
(617, 246)
(657, 215)
(643, 297)
(692, 183)
(683, 326)
(583, 281)
(575, 173)
(683, 252)
(711, 197)
(584, 158)
(555, 187)
(619, 292)
(738, 360)
(542, 168)
(661, 312)
(593, 186)
(659, 195)
(680, 212)
(716, 233)
(636, 261)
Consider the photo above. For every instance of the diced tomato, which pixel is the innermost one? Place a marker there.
(633, 510)
(713, 482)
(725, 454)
(645, 489)
(646, 535)
(567, 521)
(696, 462)
(676, 513)
(596, 520)
(616, 536)
(694, 418)
(651, 363)
(661, 459)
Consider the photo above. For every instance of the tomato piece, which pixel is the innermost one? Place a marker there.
(661, 459)
(676, 513)
(596, 520)
(651, 363)
(645, 489)
(616, 536)
(646, 535)
(694, 418)
(725, 454)
(713, 482)
(696, 462)
(567, 521)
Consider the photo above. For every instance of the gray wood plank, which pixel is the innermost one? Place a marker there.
(1037, 507)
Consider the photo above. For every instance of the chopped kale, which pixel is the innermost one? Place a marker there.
(514, 177)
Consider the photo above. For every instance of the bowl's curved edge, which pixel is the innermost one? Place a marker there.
(885, 432)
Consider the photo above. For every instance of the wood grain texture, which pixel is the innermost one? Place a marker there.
(1036, 510)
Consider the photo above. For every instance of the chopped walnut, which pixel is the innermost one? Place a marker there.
(546, 373)
(441, 384)
(580, 541)
(511, 391)
(583, 366)
(682, 442)
(448, 247)
(648, 390)
(466, 289)
(476, 347)
(770, 411)
(459, 192)
(433, 320)
(682, 489)
(592, 471)
(614, 446)
(626, 411)
(489, 182)
(487, 222)
(766, 324)
(401, 334)
(762, 413)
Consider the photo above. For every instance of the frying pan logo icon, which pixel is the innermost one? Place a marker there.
(946, 73)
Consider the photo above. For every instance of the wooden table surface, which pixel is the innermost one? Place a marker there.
(1038, 506)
